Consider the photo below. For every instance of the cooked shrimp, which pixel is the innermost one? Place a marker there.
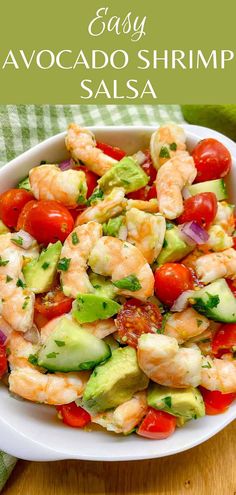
(146, 232)
(185, 325)
(225, 216)
(216, 265)
(7, 241)
(165, 142)
(17, 301)
(112, 205)
(218, 239)
(48, 182)
(150, 206)
(81, 144)
(118, 259)
(77, 249)
(125, 417)
(172, 177)
(219, 374)
(164, 362)
(20, 350)
(100, 328)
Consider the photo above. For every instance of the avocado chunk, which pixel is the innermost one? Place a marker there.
(114, 226)
(24, 184)
(217, 186)
(102, 286)
(216, 301)
(174, 247)
(187, 403)
(127, 174)
(71, 348)
(3, 228)
(114, 382)
(91, 307)
(39, 274)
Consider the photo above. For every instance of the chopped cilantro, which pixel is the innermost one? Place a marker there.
(173, 146)
(163, 323)
(17, 240)
(8, 279)
(60, 343)
(3, 262)
(33, 359)
(20, 283)
(104, 305)
(96, 196)
(164, 153)
(169, 226)
(52, 355)
(45, 265)
(130, 283)
(204, 306)
(208, 365)
(75, 239)
(199, 322)
(97, 286)
(64, 264)
(165, 243)
(81, 200)
(25, 304)
(167, 401)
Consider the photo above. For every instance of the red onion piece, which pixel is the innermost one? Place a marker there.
(139, 157)
(181, 302)
(66, 165)
(32, 335)
(194, 232)
(5, 331)
(23, 239)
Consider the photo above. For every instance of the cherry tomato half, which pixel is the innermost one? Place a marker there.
(53, 304)
(11, 204)
(91, 179)
(212, 160)
(73, 415)
(3, 360)
(171, 280)
(157, 425)
(201, 208)
(136, 318)
(144, 194)
(232, 285)
(216, 402)
(224, 340)
(46, 221)
(111, 151)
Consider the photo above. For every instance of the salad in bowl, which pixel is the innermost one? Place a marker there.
(117, 277)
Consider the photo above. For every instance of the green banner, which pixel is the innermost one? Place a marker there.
(104, 52)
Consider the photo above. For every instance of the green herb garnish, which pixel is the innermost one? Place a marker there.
(3, 262)
(8, 279)
(130, 283)
(64, 264)
(96, 196)
(17, 240)
(208, 365)
(20, 283)
(164, 152)
(173, 146)
(60, 343)
(167, 401)
(75, 239)
(33, 359)
(52, 355)
(45, 265)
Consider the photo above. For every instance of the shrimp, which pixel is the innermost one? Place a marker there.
(120, 259)
(150, 206)
(100, 328)
(17, 306)
(81, 144)
(186, 325)
(77, 249)
(218, 374)
(225, 217)
(165, 142)
(30, 383)
(146, 232)
(112, 205)
(48, 182)
(10, 241)
(216, 265)
(125, 417)
(164, 362)
(171, 179)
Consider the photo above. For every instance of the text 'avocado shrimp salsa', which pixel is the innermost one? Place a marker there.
(117, 284)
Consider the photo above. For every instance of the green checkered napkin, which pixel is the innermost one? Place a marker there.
(23, 126)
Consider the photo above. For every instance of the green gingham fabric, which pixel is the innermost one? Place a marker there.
(24, 126)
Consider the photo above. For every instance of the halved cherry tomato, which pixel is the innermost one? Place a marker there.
(232, 285)
(11, 204)
(111, 151)
(46, 221)
(73, 415)
(148, 168)
(171, 280)
(157, 425)
(53, 303)
(152, 193)
(212, 160)
(201, 208)
(91, 179)
(3, 360)
(216, 402)
(136, 318)
(224, 340)
(145, 193)
(39, 319)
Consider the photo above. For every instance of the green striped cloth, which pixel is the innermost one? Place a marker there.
(24, 126)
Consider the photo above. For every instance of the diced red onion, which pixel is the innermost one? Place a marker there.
(139, 157)
(32, 335)
(185, 193)
(194, 233)
(181, 302)
(66, 165)
(5, 331)
(23, 239)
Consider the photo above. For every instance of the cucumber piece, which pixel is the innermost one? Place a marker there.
(71, 348)
(216, 301)
(216, 186)
(24, 184)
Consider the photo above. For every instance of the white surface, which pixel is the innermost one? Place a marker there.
(32, 431)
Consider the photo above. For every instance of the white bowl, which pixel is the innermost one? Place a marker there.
(31, 431)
